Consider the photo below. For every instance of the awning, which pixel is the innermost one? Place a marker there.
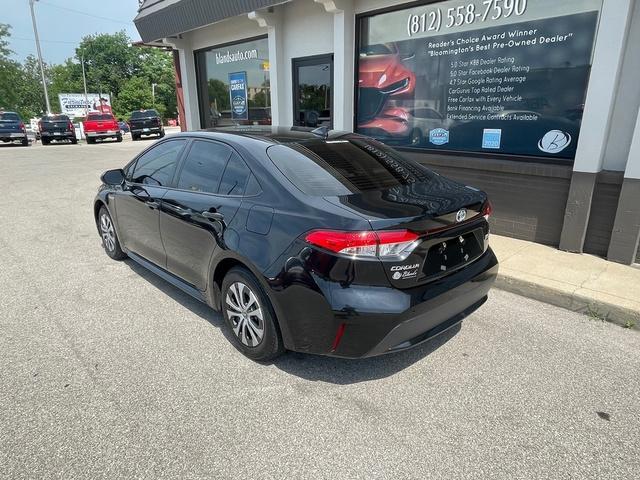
(158, 19)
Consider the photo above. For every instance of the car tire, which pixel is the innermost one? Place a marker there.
(25, 142)
(74, 141)
(45, 141)
(249, 317)
(90, 141)
(161, 134)
(134, 138)
(119, 138)
(107, 230)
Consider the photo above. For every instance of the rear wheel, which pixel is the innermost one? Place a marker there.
(161, 133)
(134, 137)
(25, 142)
(74, 141)
(110, 240)
(249, 317)
(91, 140)
(119, 138)
(45, 141)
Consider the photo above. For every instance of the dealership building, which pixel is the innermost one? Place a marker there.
(534, 101)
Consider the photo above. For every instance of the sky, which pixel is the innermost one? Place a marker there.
(63, 23)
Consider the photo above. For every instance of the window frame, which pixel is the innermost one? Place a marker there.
(129, 169)
(518, 158)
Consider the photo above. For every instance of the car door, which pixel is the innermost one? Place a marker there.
(209, 189)
(137, 204)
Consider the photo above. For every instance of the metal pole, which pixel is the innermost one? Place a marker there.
(84, 79)
(35, 32)
(153, 95)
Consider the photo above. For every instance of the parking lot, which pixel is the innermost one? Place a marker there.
(108, 372)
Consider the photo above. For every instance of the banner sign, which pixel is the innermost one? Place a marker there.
(238, 93)
(76, 105)
(469, 79)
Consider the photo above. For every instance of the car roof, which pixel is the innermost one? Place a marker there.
(268, 134)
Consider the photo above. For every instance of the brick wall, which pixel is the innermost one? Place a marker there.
(603, 212)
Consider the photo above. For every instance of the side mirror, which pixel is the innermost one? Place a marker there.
(113, 177)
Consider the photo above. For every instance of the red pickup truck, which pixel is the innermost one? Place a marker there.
(100, 126)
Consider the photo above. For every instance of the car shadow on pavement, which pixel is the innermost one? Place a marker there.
(315, 368)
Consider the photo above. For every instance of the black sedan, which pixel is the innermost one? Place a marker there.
(321, 242)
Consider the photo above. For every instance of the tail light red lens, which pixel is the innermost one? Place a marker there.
(487, 209)
(70, 126)
(395, 244)
(22, 126)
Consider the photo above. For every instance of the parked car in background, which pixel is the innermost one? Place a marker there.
(56, 128)
(145, 122)
(320, 242)
(12, 129)
(98, 126)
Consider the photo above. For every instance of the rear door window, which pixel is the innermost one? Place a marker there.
(235, 176)
(157, 166)
(203, 166)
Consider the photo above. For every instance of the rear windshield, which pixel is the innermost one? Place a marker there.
(144, 114)
(99, 116)
(343, 167)
(9, 117)
(56, 118)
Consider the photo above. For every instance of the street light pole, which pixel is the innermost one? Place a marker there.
(35, 33)
(153, 95)
(84, 80)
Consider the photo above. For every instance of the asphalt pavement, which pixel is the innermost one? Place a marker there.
(106, 371)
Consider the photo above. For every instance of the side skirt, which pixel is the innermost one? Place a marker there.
(168, 277)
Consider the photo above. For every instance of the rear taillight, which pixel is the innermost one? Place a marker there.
(40, 126)
(487, 210)
(396, 244)
(22, 126)
(70, 126)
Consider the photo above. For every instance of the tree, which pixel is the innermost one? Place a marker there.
(9, 71)
(135, 95)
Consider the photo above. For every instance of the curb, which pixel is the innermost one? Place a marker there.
(605, 311)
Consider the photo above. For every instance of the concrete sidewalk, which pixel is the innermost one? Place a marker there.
(582, 283)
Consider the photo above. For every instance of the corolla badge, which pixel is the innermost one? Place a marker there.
(461, 215)
(554, 141)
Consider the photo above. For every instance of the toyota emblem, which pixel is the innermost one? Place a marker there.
(461, 215)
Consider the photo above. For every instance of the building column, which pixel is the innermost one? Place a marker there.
(189, 86)
(272, 21)
(596, 121)
(625, 237)
(343, 61)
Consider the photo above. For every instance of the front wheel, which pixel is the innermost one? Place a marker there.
(249, 317)
(109, 236)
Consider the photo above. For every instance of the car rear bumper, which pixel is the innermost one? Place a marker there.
(146, 130)
(57, 135)
(6, 136)
(105, 134)
(379, 320)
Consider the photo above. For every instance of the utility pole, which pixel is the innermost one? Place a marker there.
(153, 95)
(35, 33)
(84, 80)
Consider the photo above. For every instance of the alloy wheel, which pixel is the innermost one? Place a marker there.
(108, 234)
(245, 314)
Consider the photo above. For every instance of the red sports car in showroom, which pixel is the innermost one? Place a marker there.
(383, 76)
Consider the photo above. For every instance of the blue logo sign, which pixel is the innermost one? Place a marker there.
(439, 136)
(491, 137)
(238, 93)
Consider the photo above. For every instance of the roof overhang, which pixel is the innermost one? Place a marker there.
(158, 19)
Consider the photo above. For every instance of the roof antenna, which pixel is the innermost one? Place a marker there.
(322, 131)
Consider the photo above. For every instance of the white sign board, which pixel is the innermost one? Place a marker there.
(75, 104)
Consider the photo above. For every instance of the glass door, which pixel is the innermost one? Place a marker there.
(313, 91)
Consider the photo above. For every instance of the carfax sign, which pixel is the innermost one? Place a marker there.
(238, 93)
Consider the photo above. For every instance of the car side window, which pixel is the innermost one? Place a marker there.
(235, 176)
(157, 166)
(203, 166)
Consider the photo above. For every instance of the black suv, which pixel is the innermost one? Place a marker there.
(327, 243)
(12, 128)
(56, 128)
(145, 122)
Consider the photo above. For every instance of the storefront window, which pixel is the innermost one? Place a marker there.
(493, 76)
(234, 85)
